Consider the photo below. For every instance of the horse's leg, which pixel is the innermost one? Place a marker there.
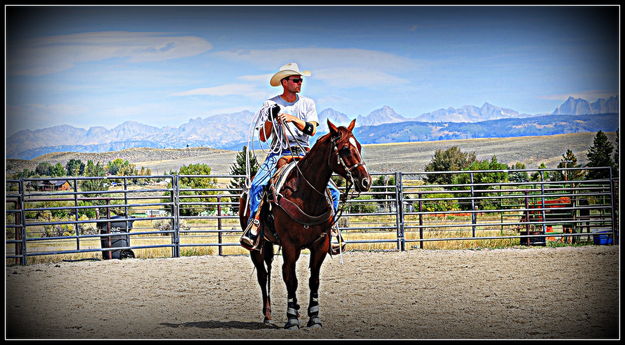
(290, 256)
(263, 277)
(317, 255)
(268, 254)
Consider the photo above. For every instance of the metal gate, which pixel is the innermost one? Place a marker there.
(69, 215)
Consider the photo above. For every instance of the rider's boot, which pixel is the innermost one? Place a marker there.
(250, 238)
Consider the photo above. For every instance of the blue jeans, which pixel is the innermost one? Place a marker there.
(264, 174)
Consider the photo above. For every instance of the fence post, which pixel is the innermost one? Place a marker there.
(109, 253)
(612, 213)
(473, 220)
(399, 212)
(176, 213)
(527, 219)
(219, 239)
(76, 227)
(22, 247)
(126, 204)
(542, 200)
(420, 220)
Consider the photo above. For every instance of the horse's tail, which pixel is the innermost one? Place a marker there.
(244, 211)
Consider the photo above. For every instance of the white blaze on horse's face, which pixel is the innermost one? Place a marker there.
(353, 142)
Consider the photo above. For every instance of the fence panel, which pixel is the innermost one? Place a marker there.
(170, 216)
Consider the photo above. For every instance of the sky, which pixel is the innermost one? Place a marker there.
(87, 66)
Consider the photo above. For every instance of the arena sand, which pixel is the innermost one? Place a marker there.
(521, 293)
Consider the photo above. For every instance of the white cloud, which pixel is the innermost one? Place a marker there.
(57, 53)
(256, 78)
(320, 58)
(222, 90)
(246, 90)
(358, 77)
(338, 67)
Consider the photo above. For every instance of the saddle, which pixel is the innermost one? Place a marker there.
(273, 198)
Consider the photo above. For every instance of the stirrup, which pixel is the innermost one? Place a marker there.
(339, 246)
(249, 240)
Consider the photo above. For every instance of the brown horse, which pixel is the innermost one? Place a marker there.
(338, 152)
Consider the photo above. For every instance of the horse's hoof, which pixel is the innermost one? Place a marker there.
(292, 324)
(314, 323)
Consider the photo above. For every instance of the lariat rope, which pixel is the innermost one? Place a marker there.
(276, 146)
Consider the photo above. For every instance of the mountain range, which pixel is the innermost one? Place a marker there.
(231, 131)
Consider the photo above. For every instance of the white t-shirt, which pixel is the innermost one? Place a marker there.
(303, 108)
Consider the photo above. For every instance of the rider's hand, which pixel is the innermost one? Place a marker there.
(275, 109)
(285, 118)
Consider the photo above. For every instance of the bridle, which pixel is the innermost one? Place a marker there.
(341, 161)
(348, 170)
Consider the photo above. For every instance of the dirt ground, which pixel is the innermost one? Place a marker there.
(533, 293)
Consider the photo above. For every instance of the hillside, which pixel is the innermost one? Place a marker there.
(384, 125)
(379, 157)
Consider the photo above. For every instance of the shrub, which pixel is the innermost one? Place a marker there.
(167, 225)
(363, 207)
(450, 204)
(58, 230)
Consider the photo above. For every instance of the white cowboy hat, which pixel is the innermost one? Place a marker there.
(285, 71)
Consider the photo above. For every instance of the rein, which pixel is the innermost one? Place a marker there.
(316, 220)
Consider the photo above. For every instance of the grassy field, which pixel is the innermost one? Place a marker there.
(531, 151)
(413, 156)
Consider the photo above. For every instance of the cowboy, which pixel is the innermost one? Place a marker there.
(299, 115)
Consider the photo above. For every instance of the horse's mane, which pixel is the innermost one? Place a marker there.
(322, 141)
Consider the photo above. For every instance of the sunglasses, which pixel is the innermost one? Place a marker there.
(297, 80)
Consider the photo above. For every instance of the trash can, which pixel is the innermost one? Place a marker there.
(117, 227)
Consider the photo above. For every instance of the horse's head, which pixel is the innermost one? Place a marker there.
(346, 159)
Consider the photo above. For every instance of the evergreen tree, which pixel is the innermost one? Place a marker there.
(43, 169)
(600, 155)
(94, 170)
(121, 167)
(568, 161)
(75, 167)
(518, 176)
(239, 168)
(26, 173)
(57, 170)
(546, 174)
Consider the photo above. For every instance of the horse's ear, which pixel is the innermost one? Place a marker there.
(332, 127)
(351, 125)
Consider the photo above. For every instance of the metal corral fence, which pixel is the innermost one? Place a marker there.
(116, 216)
